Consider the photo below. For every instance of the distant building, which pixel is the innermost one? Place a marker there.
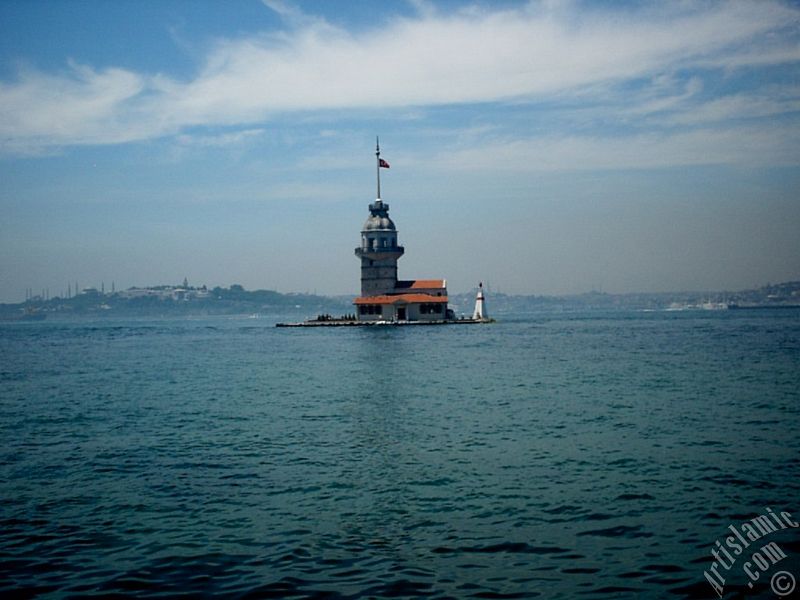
(383, 296)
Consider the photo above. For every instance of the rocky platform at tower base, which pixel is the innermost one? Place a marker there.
(344, 323)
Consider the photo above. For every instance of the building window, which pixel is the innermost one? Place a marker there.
(430, 309)
(370, 309)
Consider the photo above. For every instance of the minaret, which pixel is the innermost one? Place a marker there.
(379, 251)
(480, 306)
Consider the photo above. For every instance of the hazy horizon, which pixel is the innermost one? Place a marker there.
(489, 290)
(546, 148)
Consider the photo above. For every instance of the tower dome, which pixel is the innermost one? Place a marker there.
(377, 223)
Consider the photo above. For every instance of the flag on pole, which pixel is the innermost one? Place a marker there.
(383, 163)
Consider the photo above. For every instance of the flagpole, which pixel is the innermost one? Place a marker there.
(378, 164)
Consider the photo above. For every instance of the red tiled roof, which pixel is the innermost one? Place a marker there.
(400, 299)
(418, 284)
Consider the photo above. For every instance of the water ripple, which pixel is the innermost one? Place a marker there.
(591, 455)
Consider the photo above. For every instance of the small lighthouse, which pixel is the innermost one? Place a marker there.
(480, 313)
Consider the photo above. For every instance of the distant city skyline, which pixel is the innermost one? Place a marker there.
(545, 147)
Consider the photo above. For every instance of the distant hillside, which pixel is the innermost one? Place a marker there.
(168, 300)
(778, 295)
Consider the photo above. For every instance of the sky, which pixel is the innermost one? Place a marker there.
(543, 147)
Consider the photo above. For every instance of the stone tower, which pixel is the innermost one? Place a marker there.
(379, 251)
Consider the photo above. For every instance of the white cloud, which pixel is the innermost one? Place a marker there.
(661, 96)
(81, 106)
(470, 56)
(765, 103)
(746, 146)
(233, 138)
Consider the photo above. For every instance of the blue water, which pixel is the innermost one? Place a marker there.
(560, 455)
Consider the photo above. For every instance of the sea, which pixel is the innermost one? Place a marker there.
(559, 454)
